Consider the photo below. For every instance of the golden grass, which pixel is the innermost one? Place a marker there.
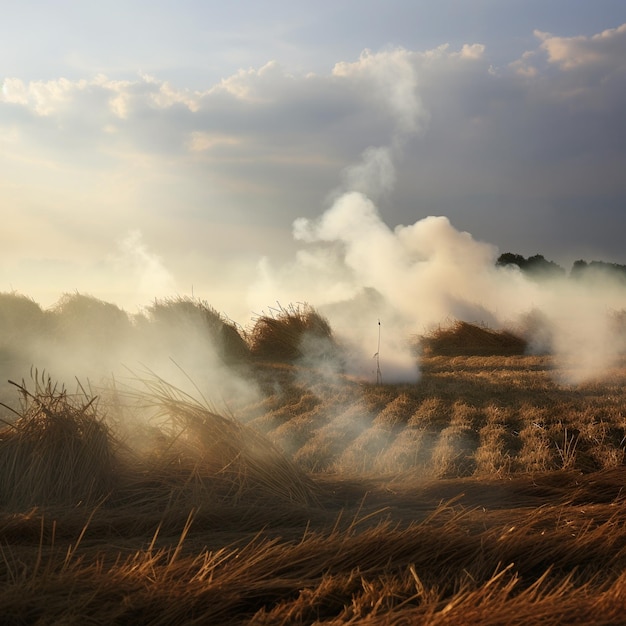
(85, 322)
(218, 454)
(60, 452)
(57, 452)
(20, 319)
(190, 318)
(486, 493)
(466, 416)
(291, 333)
(544, 549)
(463, 338)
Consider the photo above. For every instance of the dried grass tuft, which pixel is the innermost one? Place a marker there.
(205, 455)
(185, 314)
(57, 451)
(293, 333)
(18, 311)
(21, 320)
(465, 339)
(86, 318)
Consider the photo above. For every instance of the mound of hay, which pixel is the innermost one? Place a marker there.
(22, 324)
(206, 455)
(19, 312)
(57, 452)
(293, 333)
(88, 322)
(186, 317)
(464, 339)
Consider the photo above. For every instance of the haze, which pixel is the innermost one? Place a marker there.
(250, 153)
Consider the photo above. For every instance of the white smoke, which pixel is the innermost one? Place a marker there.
(357, 270)
(145, 268)
(582, 322)
(411, 278)
(374, 175)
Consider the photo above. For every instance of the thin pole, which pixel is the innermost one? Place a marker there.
(379, 376)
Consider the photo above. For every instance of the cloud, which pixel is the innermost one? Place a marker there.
(391, 77)
(529, 156)
(44, 98)
(606, 49)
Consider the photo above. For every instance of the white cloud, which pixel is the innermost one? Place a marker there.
(607, 49)
(255, 85)
(43, 97)
(391, 77)
(201, 142)
(473, 51)
(505, 153)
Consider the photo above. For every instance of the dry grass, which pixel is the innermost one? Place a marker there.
(19, 314)
(58, 451)
(517, 553)
(468, 415)
(463, 338)
(20, 319)
(217, 455)
(86, 323)
(293, 333)
(185, 318)
(486, 493)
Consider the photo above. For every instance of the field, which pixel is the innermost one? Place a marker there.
(485, 493)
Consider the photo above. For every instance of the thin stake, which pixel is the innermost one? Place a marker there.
(379, 376)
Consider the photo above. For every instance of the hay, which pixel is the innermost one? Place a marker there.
(22, 322)
(19, 312)
(184, 314)
(204, 455)
(293, 333)
(82, 316)
(57, 452)
(465, 339)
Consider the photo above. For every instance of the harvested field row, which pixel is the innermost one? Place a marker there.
(466, 416)
(486, 493)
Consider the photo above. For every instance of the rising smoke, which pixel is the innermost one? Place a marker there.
(359, 271)
(413, 278)
(379, 285)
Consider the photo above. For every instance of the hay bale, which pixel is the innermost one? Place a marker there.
(465, 339)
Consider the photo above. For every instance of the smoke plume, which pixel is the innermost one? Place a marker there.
(380, 285)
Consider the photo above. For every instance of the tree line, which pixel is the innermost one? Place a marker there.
(538, 267)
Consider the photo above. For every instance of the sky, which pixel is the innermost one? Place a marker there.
(196, 148)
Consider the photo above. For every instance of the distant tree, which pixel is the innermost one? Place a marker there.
(615, 268)
(598, 269)
(578, 268)
(508, 258)
(536, 266)
(540, 266)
